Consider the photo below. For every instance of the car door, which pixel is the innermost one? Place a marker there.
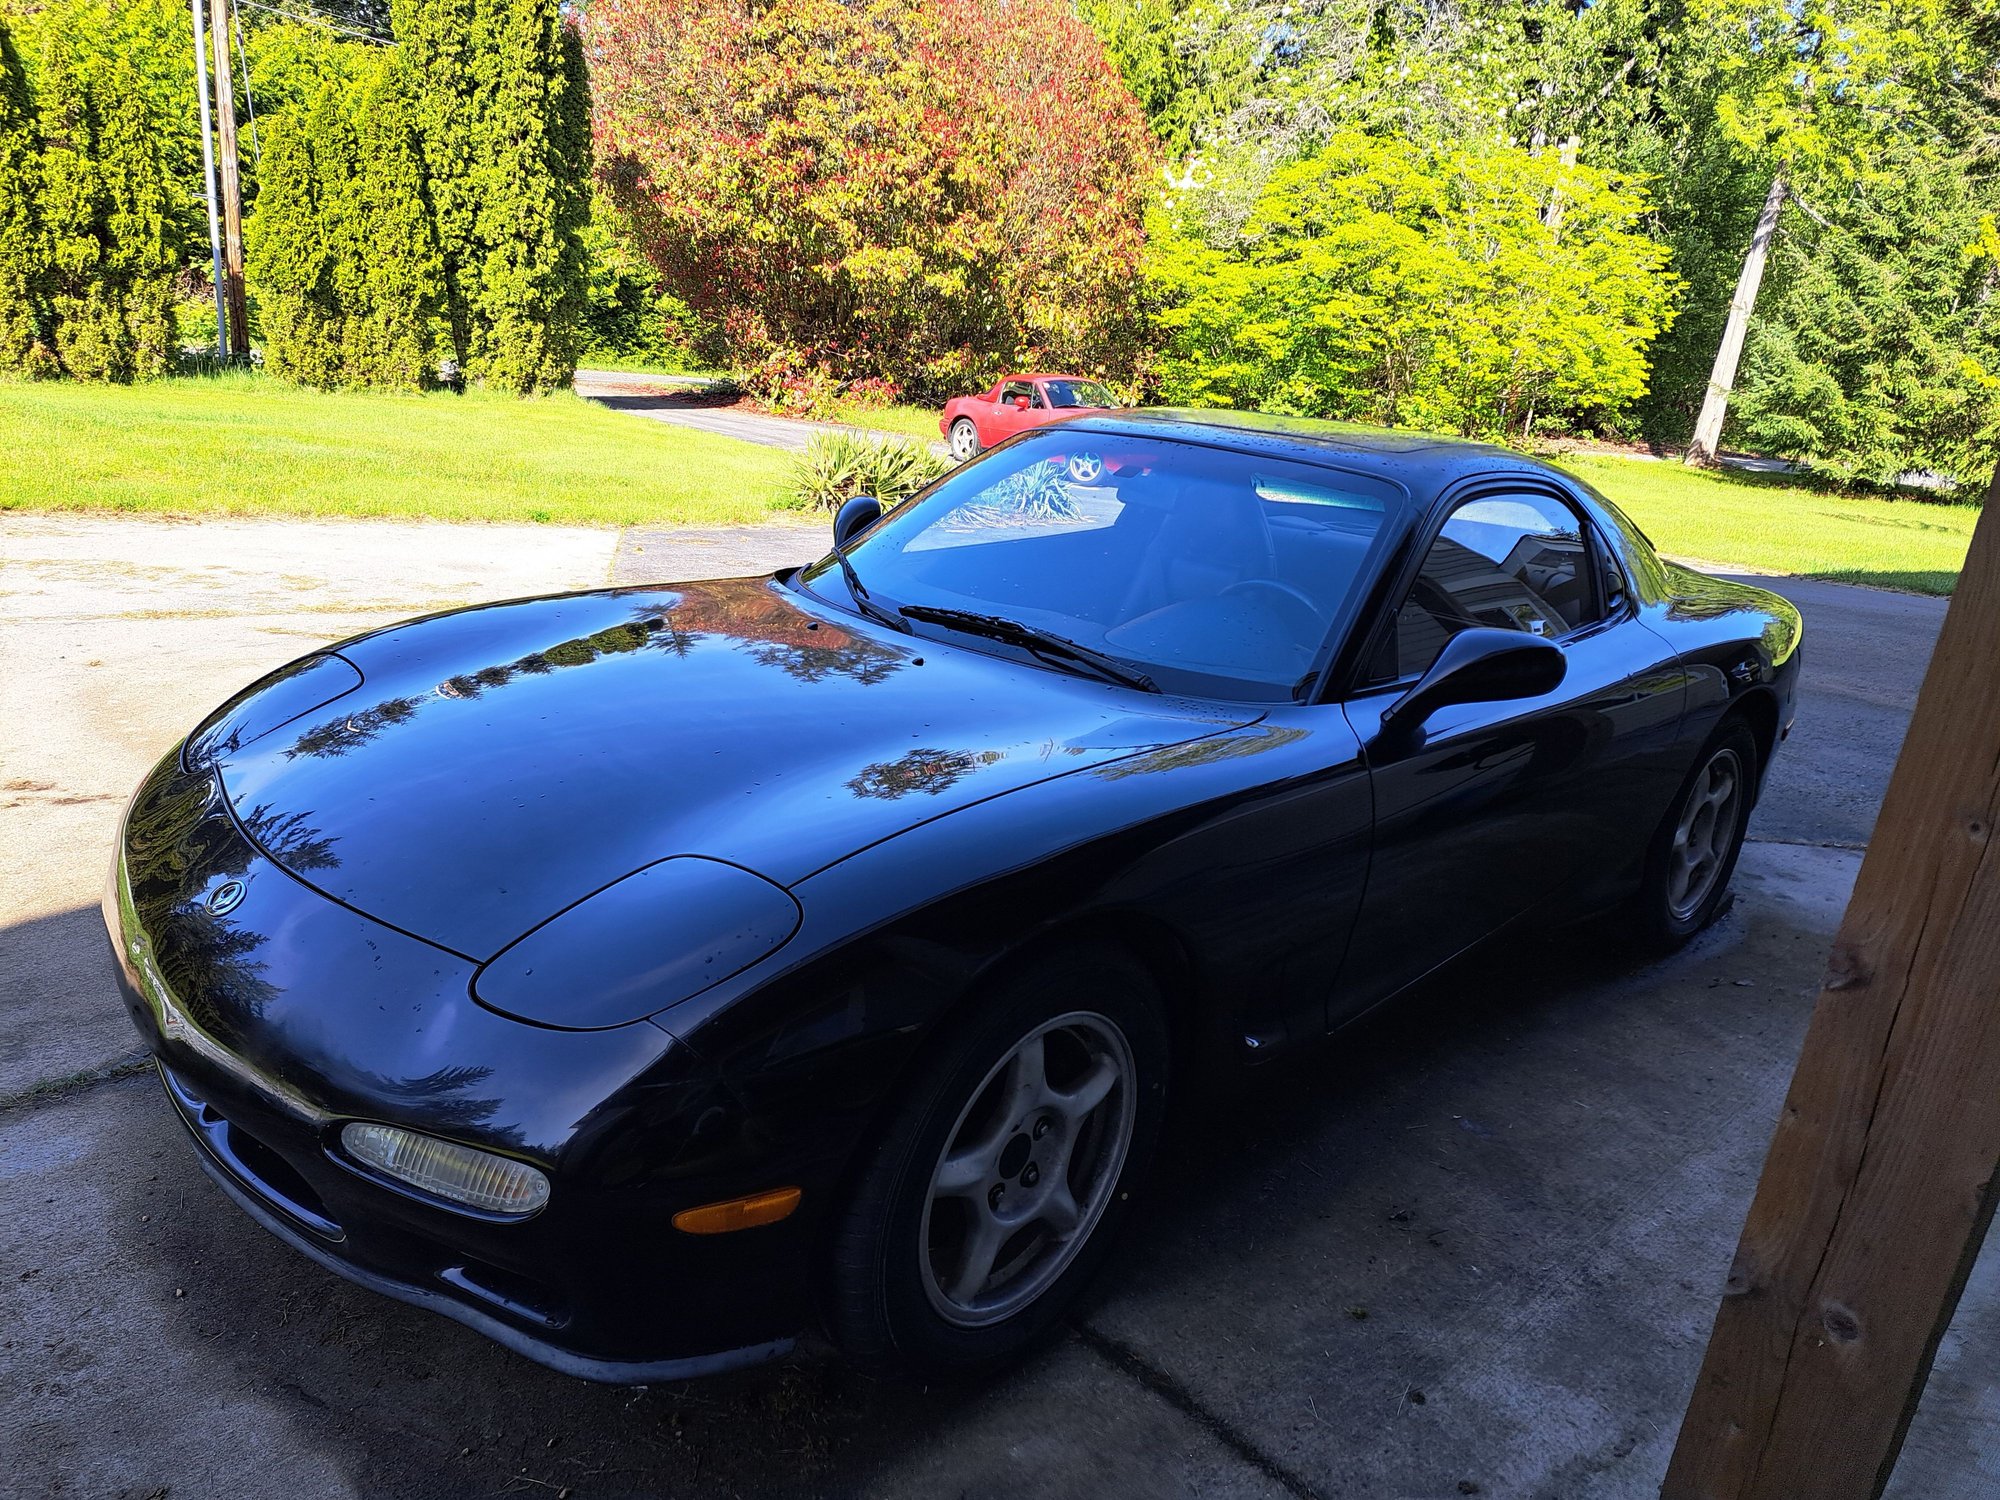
(1008, 418)
(1498, 808)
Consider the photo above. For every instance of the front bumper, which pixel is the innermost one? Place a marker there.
(276, 1015)
(457, 1287)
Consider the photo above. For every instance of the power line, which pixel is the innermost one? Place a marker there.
(307, 18)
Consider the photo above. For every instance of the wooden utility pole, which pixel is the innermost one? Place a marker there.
(1882, 1174)
(232, 187)
(1707, 439)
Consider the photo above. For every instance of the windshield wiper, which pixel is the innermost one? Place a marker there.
(1034, 639)
(862, 602)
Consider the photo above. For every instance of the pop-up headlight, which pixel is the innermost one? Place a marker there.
(653, 939)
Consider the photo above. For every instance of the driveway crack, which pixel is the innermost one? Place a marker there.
(1135, 1366)
(50, 1090)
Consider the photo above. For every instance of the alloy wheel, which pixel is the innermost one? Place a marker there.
(964, 440)
(1704, 833)
(1028, 1169)
(1086, 468)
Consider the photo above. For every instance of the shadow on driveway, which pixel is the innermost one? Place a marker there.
(1476, 1240)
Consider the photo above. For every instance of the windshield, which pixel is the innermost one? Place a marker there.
(1078, 393)
(1210, 571)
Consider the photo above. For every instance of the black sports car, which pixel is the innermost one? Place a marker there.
(649, 975)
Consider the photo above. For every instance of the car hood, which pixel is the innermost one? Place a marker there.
(465, 776)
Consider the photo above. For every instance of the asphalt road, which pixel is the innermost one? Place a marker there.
(1865, 654)
(1474, 1248)
(649, 396)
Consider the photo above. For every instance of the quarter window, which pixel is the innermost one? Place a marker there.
(1511, 562)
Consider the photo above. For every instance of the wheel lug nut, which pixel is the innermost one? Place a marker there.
(993, 1198)
(1030, 1175)
(1041, 1128)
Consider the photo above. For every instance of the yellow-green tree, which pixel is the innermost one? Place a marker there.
(1469, 290)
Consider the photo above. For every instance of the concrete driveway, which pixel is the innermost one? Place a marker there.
(1473, 1249)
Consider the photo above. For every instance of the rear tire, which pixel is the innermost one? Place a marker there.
(1693, 855)
(964, 440)
(997, 1188)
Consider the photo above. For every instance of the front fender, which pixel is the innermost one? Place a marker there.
(1246, 850)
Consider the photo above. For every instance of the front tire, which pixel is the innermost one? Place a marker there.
(1693, 856)
(964, 440)
(996, 1190)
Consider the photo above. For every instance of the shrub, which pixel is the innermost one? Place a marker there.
(912, 189)
(873, 391)
(799, 385)
(627, 316)
(296, 241)
(837, 466)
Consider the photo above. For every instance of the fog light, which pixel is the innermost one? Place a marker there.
(478, 1179)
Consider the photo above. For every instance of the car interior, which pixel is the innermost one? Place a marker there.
(1512, 563)
(1212, 564)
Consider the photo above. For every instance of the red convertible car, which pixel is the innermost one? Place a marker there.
(1014, 403)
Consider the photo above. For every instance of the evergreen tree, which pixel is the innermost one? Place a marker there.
(295, 238)
(342, 250)
(24, 245)
(107, 200)
(1876, 348)
(388, 335)
(502, 105)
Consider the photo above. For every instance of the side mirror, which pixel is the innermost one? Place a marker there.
(1480, 665)
(855, 517)
(1022, 402)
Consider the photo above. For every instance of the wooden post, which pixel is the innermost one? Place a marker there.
(1880, 1182)
(232, 187)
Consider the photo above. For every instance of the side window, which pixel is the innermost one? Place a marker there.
(1513, 562)
(1015, 388)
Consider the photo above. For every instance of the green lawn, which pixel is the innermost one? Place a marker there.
(248, 444)
(241, 444)
(1763, 522)
(911, 421)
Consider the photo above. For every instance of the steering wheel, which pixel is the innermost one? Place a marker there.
(1295, 607)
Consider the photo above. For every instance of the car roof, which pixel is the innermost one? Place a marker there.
(1422, 463)
(1044, 375)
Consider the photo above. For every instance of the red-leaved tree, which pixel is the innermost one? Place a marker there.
(918, 190)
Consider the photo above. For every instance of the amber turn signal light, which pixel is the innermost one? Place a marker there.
(738, 1213)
